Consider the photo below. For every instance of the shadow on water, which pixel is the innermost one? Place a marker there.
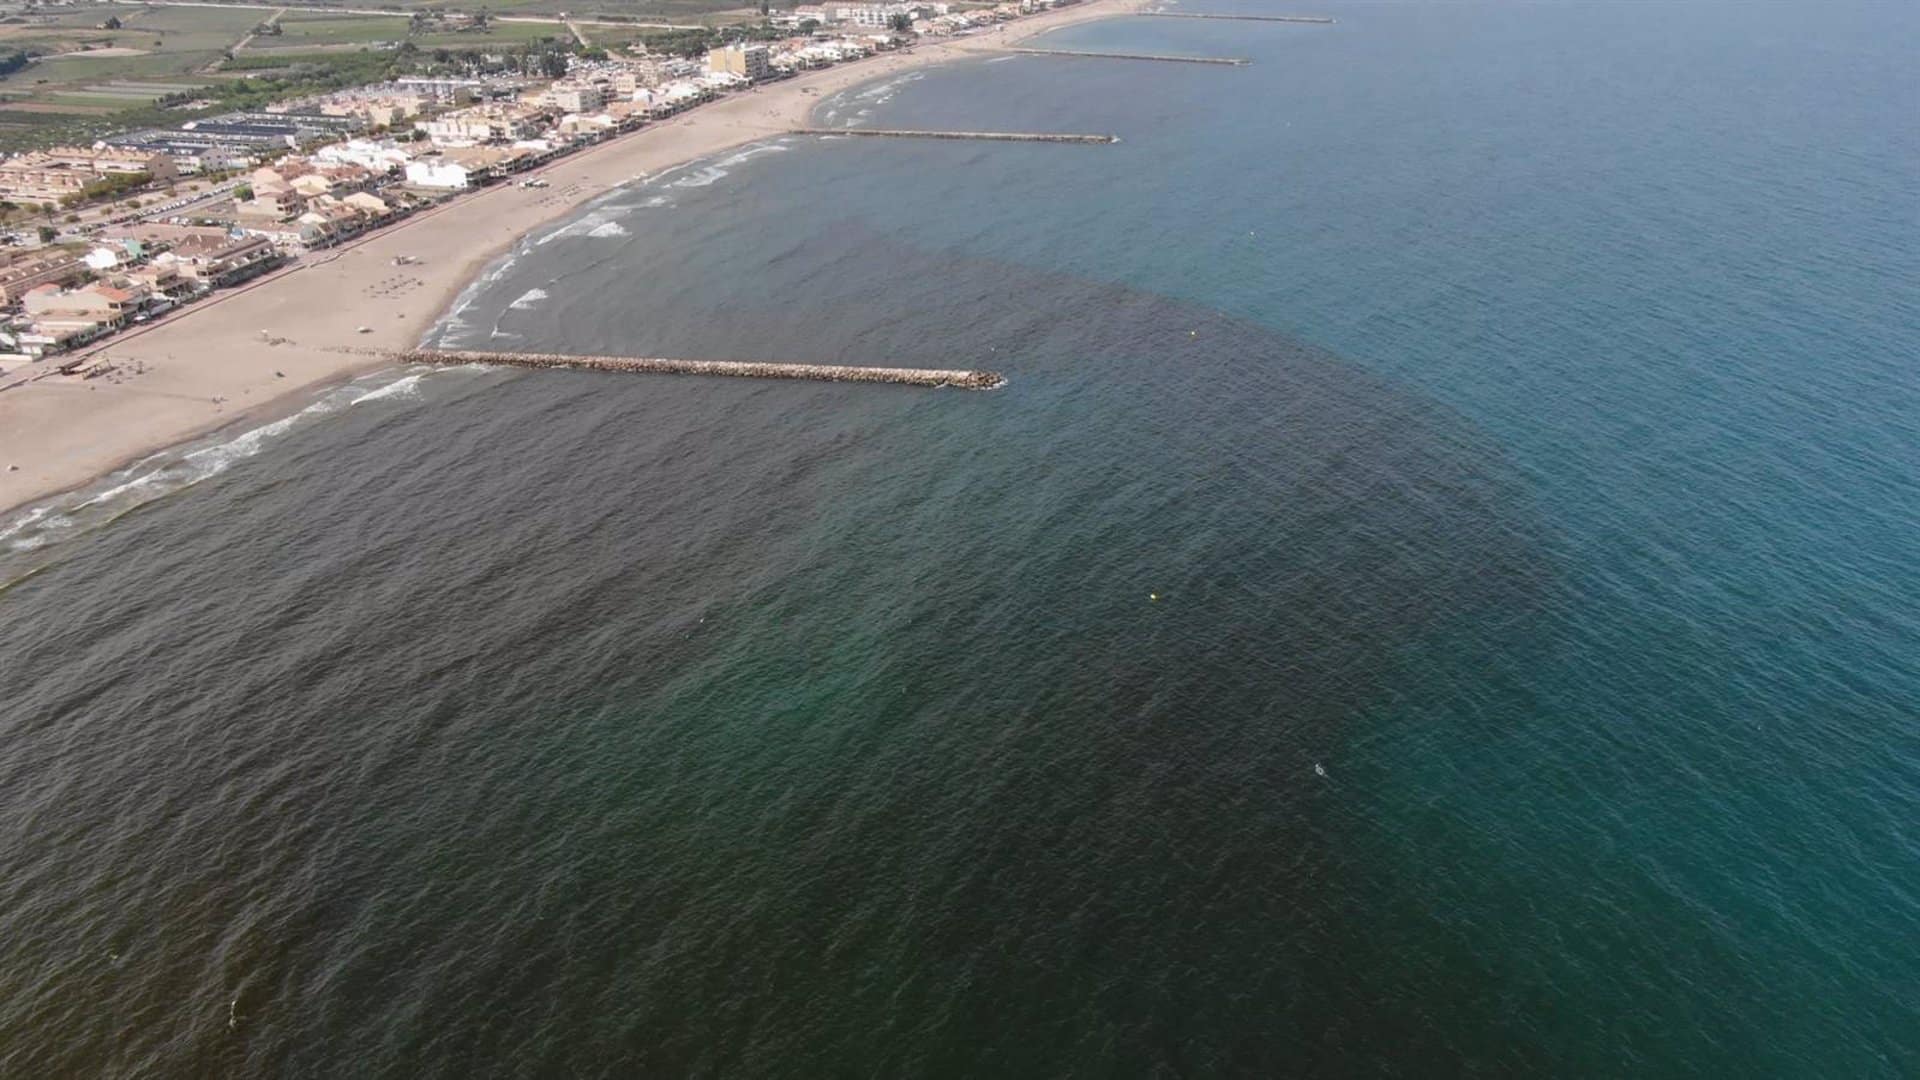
(704, 726)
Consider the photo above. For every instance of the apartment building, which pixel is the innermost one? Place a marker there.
(66, 171)
(751, 62)
(53, 266)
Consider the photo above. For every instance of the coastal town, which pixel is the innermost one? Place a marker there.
(141, 224)
(165, 313)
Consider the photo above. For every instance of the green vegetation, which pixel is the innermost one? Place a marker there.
(677, 11)
(305, 31)
(494, 36)
(65, 76)
(108, 187)
(680, 42)
(69, 75)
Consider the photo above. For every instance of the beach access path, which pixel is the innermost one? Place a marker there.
(211, 365)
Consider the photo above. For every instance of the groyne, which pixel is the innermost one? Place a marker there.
(993, 136)
(1230, 61)
(955, 378)
(1321, 20)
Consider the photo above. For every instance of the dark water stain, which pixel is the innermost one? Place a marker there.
(698, 727)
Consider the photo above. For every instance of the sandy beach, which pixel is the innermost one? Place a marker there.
(213, 365)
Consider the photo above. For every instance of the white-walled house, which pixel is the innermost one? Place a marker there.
(436, 172)
(377, 157)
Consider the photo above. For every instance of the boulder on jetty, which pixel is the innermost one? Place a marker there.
(956, 378)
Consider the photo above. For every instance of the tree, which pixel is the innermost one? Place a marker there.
(47, 234)
(112, 23)
(901, 22)
(242, 193)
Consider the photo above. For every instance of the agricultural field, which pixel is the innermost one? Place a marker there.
(686, 11)
(74, 73)
(304, 30)
(495, 35)
(676, 11)
(69, 67)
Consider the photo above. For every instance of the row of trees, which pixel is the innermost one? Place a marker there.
(108, 186)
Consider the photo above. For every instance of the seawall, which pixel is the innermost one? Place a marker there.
(1230, 61)
(934, 377)
(1321, 20)
(993, 136)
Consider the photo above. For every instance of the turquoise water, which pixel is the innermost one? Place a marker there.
(1511, 407)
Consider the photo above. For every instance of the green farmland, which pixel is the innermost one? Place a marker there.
(73, 74)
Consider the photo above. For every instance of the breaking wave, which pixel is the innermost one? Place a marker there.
(158, 475)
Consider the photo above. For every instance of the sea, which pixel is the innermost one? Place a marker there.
(1438, 594)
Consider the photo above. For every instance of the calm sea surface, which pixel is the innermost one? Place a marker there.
(1440, 593)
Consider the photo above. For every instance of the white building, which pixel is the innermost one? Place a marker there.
(377, 157)
(438, 172)
(878, 16)
(750, 62)
(574, 97)
(444, 91)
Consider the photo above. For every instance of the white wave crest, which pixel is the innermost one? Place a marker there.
(454, 321)
(597, 225)
(530, 298)
(39, 518)
(752, 152)
(162, 474)
(210, 461)
(407, 388)
(709, 175)
(881, 92)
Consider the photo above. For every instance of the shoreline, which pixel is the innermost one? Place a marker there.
(212, 367)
